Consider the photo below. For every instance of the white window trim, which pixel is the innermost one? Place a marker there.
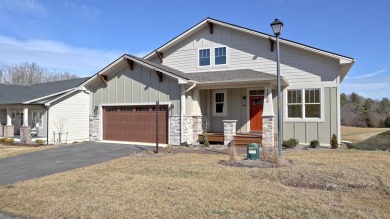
(322, 103)
(42, 113)
(227, 57)
(224, 113)
(211, 57)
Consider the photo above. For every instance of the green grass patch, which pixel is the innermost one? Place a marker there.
(377, 142)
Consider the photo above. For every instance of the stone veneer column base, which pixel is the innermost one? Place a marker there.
(268, 131)
(197, 128)
(1, 130)
(229, 131)
(9, 131)
(174, 130)
(94, 128)
(25, 134)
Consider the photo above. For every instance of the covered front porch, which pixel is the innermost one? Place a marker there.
(23, 122)
(241, 111)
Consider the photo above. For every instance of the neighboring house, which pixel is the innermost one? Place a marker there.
(222, 75)
(45, 108)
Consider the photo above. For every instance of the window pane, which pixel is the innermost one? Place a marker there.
(312, 96)
(219, 108)
(220, 56)
(219, 97)
(204, 57)
(312, 110)
(294, 96)
(295, 111)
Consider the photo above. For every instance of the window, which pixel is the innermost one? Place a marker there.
(204, 57)
(219, 106)
(304, 103)
(220, 56)
(37, 119)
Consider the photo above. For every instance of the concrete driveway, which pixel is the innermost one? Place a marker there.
(50, 161)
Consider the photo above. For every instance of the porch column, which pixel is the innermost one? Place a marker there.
(25, 130)
(229, 131)
(9, 128)
(268, 119)
(9, 116)
(197, 118)
(25, 117)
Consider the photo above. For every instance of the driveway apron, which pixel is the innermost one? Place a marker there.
(63, 158)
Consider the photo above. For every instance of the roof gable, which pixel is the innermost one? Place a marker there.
(208, 21)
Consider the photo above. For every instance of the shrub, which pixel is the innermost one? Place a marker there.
(2, 139)
(290, 143)
(333, 142)
(9, 140)
(386, 122)
(314, 143)
(39, 141)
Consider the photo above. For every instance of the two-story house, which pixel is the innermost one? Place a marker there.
(220, 77)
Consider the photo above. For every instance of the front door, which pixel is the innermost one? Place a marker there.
(256, 112)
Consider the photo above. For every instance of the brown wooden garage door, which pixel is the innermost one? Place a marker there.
(135, 123)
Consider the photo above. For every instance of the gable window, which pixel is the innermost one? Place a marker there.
(204, 57)
(219, 103)
(304, 103)
(220, 55)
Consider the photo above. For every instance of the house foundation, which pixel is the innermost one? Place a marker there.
(1, 130)
(268, 131)
(25, 134)
(229, 131)
(9, 131)
(174, 130)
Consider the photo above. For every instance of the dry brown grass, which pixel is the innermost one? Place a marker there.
(196, 186)
(9, 151)
(355, 134)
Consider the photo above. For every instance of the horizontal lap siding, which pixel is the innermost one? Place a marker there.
(73, 112)
(140, 85)
(246, 51)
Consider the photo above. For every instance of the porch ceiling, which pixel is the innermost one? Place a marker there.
(234, 76)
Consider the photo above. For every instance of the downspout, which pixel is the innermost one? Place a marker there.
(182, 109)
(47, 123)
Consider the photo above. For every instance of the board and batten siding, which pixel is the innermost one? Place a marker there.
(140, 85)
(73, 112)
(306, 131)
(246, 51)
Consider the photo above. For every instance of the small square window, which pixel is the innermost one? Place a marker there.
(204, 57)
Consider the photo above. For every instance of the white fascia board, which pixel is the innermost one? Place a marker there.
(64, 95)
(30, 101)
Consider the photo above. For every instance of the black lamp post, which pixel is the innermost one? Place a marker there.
(277, 29)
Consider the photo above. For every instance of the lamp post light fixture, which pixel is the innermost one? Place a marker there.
(277, 26)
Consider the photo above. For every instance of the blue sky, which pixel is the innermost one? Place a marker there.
(83, 36)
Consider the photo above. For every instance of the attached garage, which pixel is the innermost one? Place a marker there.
(135, 123)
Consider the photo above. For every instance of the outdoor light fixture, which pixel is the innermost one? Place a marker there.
(277, 29)
(244, 101)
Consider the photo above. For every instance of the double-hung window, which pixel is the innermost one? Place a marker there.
(37, 119)
(304, 104)
(220, 103)
(220, 55)
(204, 57)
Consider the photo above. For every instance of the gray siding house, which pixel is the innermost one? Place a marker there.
(220, 77)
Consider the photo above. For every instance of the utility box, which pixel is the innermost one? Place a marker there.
(252, 151)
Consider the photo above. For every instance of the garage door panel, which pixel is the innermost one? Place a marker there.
(135, 123)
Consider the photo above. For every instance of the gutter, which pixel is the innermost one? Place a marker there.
(183, 109)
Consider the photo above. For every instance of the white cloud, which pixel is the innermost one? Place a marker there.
(55, 55)
(374, 90)
(83, 10)
(370, 74)
(23, 6)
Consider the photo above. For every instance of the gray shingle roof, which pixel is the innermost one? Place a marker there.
(231, 76)
(16, 94)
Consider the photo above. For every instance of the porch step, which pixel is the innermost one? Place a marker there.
(213, 137)
(243, 139)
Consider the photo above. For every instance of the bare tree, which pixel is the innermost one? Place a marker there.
(29, 74)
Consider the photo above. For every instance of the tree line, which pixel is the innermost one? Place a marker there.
(364, 112)
(29, 74)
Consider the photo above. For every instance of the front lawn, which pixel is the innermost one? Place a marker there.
(13, 150)
(318, 184)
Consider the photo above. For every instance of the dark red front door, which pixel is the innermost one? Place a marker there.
(256, 112)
